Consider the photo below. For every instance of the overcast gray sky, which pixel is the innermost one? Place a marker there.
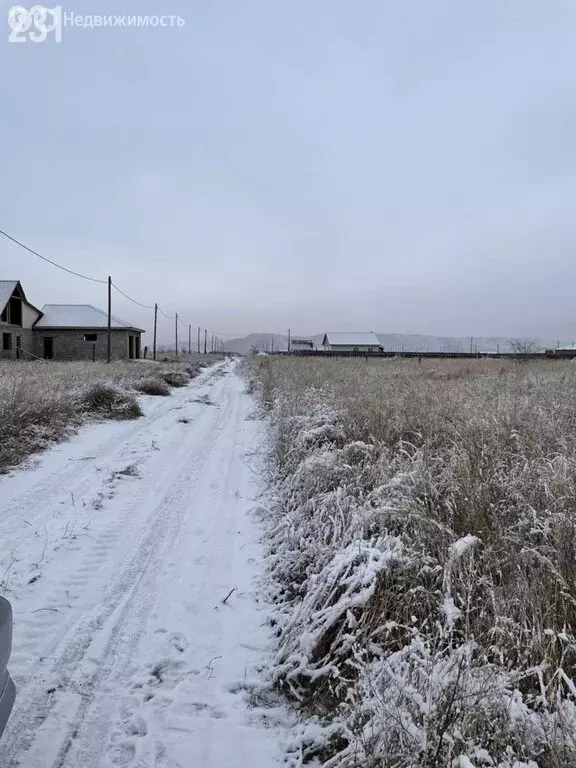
(320, 164)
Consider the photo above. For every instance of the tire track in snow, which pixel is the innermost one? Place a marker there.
(117, 663)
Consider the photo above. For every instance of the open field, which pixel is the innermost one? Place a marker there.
(422, 545)
(42, 402)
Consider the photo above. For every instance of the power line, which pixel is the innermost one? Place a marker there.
(54, 264)
(96, 280)
(145, 306)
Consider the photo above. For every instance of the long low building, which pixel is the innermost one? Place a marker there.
(61, 331)
(351, 342)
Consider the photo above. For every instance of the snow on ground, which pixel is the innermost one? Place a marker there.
(118, 551)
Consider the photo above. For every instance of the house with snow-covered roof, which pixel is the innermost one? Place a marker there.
(61, 331)
(351, 342)
(80, 332)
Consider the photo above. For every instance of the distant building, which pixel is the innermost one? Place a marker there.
(352, 342)
(61, 331)
(566, 353)
(301, 345)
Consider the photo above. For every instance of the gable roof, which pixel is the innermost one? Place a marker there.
(7, 289)
(352, 339)
(78, 316)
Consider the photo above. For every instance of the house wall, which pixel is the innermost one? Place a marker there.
(26, 336)
(29, 315)
(352, 348)
(68, 343)
(23, 332)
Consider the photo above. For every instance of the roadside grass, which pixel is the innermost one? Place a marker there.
(421, 541)
(41, 403)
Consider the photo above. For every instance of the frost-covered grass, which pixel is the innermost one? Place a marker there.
(42, 402)
(422, 548)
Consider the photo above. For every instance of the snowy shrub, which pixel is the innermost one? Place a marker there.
(193, 369)
(110, 401)
(421, 537)
(153, 386)
(176, 378)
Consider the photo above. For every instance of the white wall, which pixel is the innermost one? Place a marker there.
(29, 315)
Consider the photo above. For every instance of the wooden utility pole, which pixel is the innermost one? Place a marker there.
(198, 340)
(288, 340)
(155, 329)
(109, 340)
(176, 327)
(205, 339)
(189, 339)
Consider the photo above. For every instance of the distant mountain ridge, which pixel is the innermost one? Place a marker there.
(394, 342)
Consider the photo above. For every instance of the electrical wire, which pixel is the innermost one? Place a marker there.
(54, 264)
(102, 282)
(145, 306)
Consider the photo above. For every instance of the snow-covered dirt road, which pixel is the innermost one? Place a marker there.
(130, 557)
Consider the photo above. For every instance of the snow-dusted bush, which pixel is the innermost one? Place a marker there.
(176, 378)
(110, 402)
(422, 549)
(153, 386)
(194, 368)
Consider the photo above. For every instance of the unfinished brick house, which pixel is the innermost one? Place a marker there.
(17, 318)
(61, 331)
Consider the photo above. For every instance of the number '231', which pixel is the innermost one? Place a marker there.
(34, 24)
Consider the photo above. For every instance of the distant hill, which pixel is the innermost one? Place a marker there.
(394, 342)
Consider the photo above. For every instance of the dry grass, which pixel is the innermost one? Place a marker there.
(42, 402)
(423, 549)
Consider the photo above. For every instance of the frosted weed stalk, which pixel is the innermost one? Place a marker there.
(422, 542)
